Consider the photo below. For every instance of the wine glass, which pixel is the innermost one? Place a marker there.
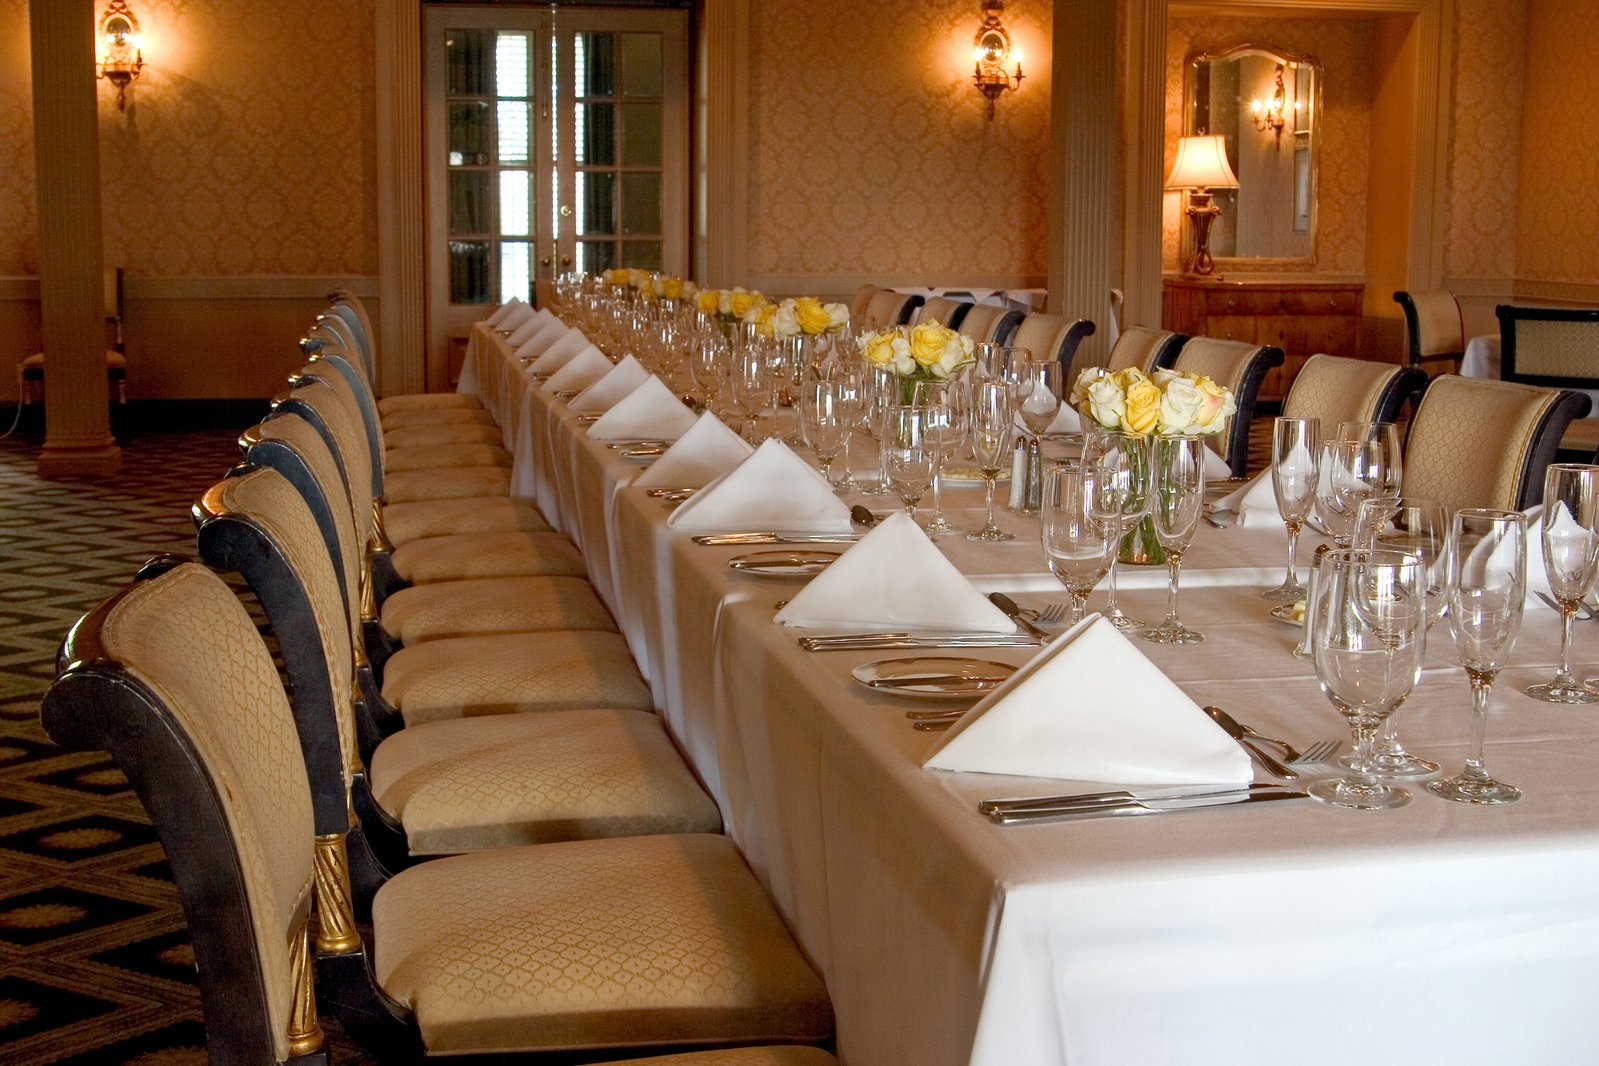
(752, 388)
(821, 417)
(1121, 499)
(1176, 495)
(883, 390)
(1369, 612)
(710, 367)
(1332, 506)
(1487, 584)
(1295, 451)
(1039, 384)
(1570, 555)
(989, 356)
(1375, 469)
(908, 455)
(941, 400)
(990, 421)
(1421, 528)
(850, 380)
(1078, 546)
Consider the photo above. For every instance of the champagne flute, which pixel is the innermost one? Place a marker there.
(1121, 499)
(752, 389)
(908, 455)
(1176, 496)
(1369, 612)
(821, 419)
(1295, 451)
(1078, 546)
(1487, 585)
(991, 416)
(1420, 528)
(941, 401)
(1570, 556)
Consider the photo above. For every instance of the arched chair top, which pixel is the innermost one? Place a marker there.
(1334, 389)
(862, 297)
(888, 308)
(1146, 348)
(1053, 337)
(986, 322)
(1240, 367)
(948, 312)
(1434, 329)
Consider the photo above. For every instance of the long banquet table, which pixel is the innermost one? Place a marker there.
(1284, 931)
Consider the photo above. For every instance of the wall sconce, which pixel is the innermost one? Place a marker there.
(121, 49)
(1270, 114)
(1201, 166)
(991, 53)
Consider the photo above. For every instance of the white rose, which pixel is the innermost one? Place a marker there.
(724, 301)
(1106, 402)
(1179, 406)
(1165, 376)
(785, 323)
(904, 361)
(837, 316)
(1084, 381)
(954, 358)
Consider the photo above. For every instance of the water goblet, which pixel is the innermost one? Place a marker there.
(1375, 468)
(1078, 546)
(821, 418)
(1121, 500)
(1295, 451)
(991, 419)
(907, 455)
(1569, 530)
(1176, 496)
(1368, 611)
(709, 367)
(752, 389)
(1487, 584)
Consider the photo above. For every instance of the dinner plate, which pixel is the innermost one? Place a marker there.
(1284, 613)
(783, 563)
(948, 677)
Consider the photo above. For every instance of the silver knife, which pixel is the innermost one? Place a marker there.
(1236, 731)
(1079, 799)
(1137, 807)
(922, 642)
(773, 537)
(911, 681)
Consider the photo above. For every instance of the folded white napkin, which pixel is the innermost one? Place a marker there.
(1092, 708)
(561, 351)
(584, 369)
(894, 579)
(772, 489)
(531, 325)
(705, 452)
(1067, 420)
(1216, 468)
(549, 331)
(614, 387)
(504, 311)
(1255, 503)
(649, 412)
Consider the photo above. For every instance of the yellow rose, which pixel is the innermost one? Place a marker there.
(764, 313)
(1127, 377)
(811, 315)
(742, 301)
(1142, 406)
(927, 342)
(709, 301)
(878, 347)
(672, 288)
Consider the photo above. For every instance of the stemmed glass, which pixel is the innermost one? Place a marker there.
(1375, 468)
(1121, 499)
(907, 454)
(710, 367)
(1570, 555)
(821, 417)
(941, 402)
(853, 385)
(1487, 583)
(1369, 612)
(1295, 450)
(990, 422)
(1078, 546)
(1334, 473)
(752, 388)
(1420, 528)
(883, 389)
(1038, 385)
(1176, 495)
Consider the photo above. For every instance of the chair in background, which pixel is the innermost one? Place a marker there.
(1334, 389)
(1556, 348)
(1435, 330)
(888, 308)
(31, 369)
(862, 297)
(1480, 443)
(988, 322)
(1147, 349)
(1240, 367)
(948, 312)
(1053, 337)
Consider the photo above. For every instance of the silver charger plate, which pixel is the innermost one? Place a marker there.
(974, 678)
(783, 563)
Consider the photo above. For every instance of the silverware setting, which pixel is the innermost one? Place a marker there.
(1080, 799)
(773, 537)
(1133, 806)
(872, 642)
(1238, 733)
(638, 442)
(912, 680)
(589, 419)
(1585, 610)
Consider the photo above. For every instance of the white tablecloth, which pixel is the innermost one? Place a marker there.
(1481, 360)
(1287, 930)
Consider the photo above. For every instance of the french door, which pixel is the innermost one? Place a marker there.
(557, 140)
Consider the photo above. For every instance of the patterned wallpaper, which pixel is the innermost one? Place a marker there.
(1557, 235)
(1344, 49)
(890, 167)
(1485, 139)
(19, 246)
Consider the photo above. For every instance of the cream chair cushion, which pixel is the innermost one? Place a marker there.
(493, 605)
(449, 433)
(437, 416)
(450, 483)
(609, 942)
(405, 522)
(1582, 435)
(465, 677)
(520, 779)
(939, 307)
(1470, 440)
(398, 459)
(884, 309)
(981, 321)
(1137, 346)
(467, 555)
(424, 400)
(1334, 389)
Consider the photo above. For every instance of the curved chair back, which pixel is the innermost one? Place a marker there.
(1435, 330)
(888, 308)
(1238, 366)
(1147, 349)
(1053, 337)
(862, 297)
(1480, 443)
(335, 365)
(985, 322)
(171, 677)
(1334, 389)
(348, 306)
(948, 312)
(1555, 347)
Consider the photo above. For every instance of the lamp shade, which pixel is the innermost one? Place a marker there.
(1202, 164)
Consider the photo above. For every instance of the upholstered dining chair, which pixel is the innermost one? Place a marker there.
(1334, 389)
(988, 322)
(1053, 337)
(945, 311)
(888, 308)
(862, 297)
(635, 944)
(1434, 329)
(1147, 349)
(1480, 443)
(1557, 348)
(1238, 366)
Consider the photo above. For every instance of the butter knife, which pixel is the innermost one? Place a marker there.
(1131, 808)
(1236, 731)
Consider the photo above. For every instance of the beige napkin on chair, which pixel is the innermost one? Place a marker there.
(773, 489)
(549, 331)
(561, 351)
(614, 387)
(1092, 708)
(584, 369)
(894, 579)
(509, 315)
(705, 452)
(649, 412)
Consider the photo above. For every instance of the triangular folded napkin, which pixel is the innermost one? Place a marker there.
(649, 412)
(561, 351)
(773, 489)
(531, 325)
(1066, 421)
(1092, 708)
(705, 452)
(614, 387)
(1255, 503)
(547, 334)
(584, 369)
(895, 579)
(510, 307)
(1216, 468)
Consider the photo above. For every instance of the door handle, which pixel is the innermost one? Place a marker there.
(566, 260)
(544, 262)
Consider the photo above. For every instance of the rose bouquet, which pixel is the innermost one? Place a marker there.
(808, 315)
(1167, 402)
(671, 287)
(927, 351)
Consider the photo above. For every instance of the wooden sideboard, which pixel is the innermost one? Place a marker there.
(1300, 317)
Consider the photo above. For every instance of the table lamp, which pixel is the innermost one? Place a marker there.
(1201, 166)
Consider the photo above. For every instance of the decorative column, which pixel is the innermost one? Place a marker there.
(721, 157)
(402, 207)
(78, 441)
(1146, 161)
(1084, 234)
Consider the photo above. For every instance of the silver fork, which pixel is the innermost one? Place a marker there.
(1055, 612)
(1321, 751)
